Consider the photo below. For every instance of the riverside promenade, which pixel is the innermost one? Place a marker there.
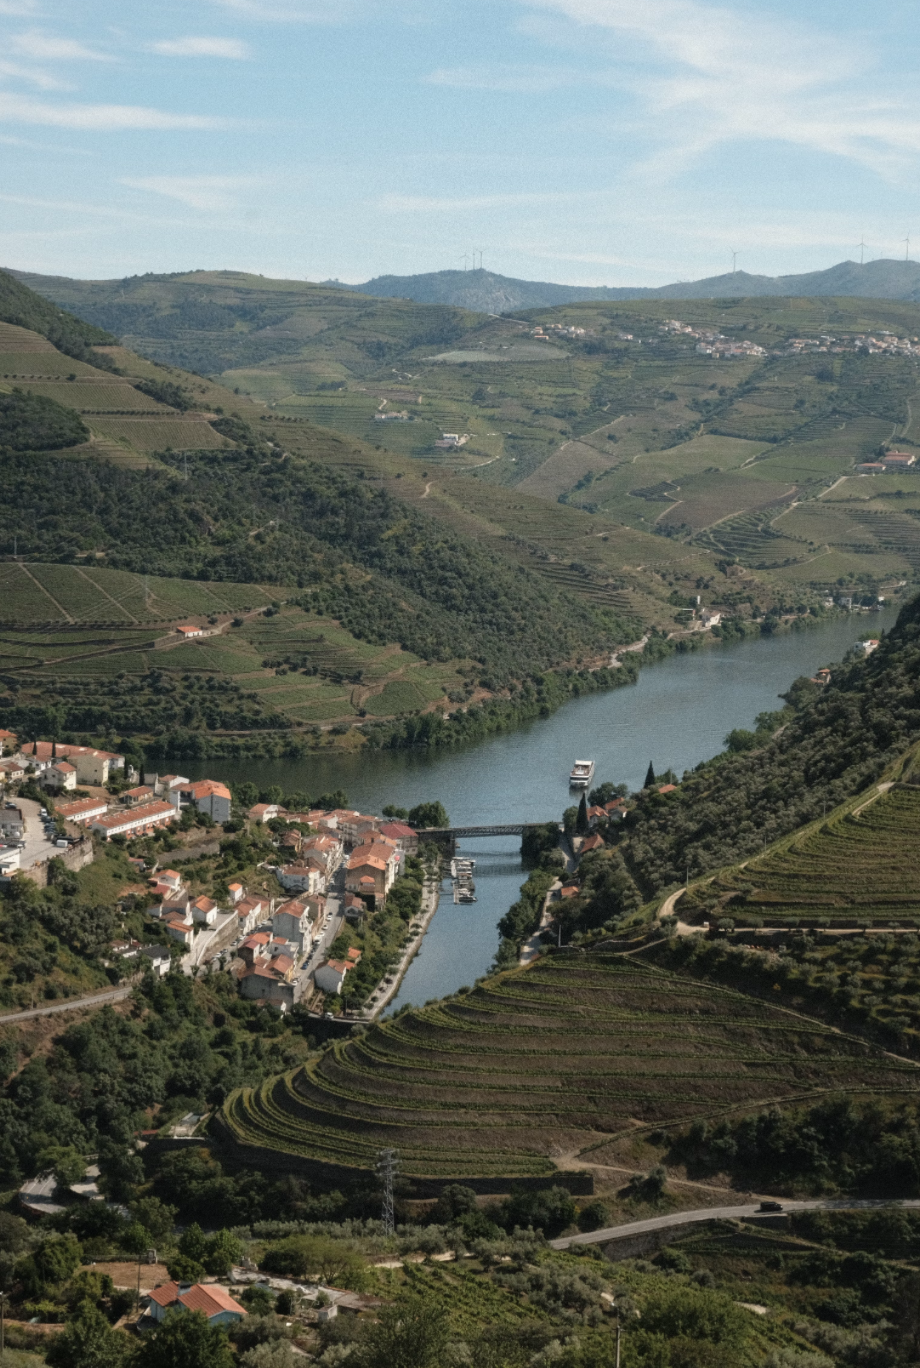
(387, 990)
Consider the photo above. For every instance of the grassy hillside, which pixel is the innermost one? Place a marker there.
(392, 612)
(533, 1068)
(838, 740)
(751, 457)
(117, 413)
(856, 869)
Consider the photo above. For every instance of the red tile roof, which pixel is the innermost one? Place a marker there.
(292, 908)
(80, 807)
(144, 812)
(211, 1300)
(204, 788)
(366, 862)
(42, 750)
(397, 831)
(166, 1294)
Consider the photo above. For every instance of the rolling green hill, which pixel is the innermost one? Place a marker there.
(488, 292)
(532, 1069)
(391, 612)
(570, 1059)
(838, 740)
(856, 869)
(750, 457)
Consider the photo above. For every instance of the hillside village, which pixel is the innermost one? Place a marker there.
(326, 874)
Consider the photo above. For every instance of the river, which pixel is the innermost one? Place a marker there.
(676, 715)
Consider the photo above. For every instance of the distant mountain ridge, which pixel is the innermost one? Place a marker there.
(483, 291)
(487, 292)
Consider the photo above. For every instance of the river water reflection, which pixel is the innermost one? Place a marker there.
(675, 716)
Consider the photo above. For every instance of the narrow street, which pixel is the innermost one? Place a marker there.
(335, 920)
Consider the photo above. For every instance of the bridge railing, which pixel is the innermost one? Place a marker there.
(498, 829)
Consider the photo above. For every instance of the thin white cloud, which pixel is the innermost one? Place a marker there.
(523, 79)
(293, 11)
(434, 204)
(42, 80)
(211, 193)
(234, 49)
(47, 47)
(18, 8)
(721, 75)
(102, 118)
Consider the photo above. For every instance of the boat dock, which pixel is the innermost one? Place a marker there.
(461, 871)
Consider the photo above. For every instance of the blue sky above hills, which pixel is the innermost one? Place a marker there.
(588, 141)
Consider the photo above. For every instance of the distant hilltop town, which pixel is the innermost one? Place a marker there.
(711, 343)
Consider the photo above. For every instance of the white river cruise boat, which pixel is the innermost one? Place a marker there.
(582, 774)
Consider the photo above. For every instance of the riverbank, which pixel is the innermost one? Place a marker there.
(536, 699)
(387, 990)
(675, 715)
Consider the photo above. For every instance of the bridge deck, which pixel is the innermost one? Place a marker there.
(502, 829)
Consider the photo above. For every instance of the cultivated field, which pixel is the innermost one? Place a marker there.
(72, 594)
(540, 1065)
(296, 667)
(127, 425)
(857, 869)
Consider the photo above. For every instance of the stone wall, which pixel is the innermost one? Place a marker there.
(75, 857)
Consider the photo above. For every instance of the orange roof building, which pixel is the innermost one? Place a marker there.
(213, 1302)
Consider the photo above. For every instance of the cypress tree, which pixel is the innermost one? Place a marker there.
(581, 821)
(650, 776)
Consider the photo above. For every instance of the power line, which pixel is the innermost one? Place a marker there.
(387, 1169)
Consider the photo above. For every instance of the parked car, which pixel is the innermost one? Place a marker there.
(771, 1206)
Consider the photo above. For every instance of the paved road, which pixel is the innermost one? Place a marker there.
(71, 1005)
(38, 847)
(335, 920)
(392, 981)
(728, 1213)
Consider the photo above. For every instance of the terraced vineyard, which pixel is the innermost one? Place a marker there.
(859, 868)
(541, 1064)
(127, 424)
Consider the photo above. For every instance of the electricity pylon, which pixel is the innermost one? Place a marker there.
(387, 1168)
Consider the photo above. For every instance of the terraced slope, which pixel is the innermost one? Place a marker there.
(858, 868)
(124, 422)
(538, 1065)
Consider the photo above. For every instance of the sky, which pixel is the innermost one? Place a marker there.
(617, 142)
